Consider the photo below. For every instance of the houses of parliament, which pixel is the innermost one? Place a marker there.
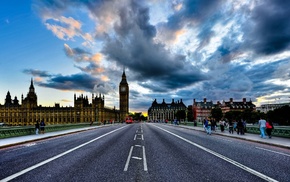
(28, 111)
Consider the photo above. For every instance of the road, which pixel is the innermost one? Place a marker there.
(144, 152)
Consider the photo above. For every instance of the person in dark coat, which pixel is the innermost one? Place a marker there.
(42, 127)
(240, 127)
(37, 127)
(269, 128)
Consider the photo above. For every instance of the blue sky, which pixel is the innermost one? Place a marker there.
(170, 49)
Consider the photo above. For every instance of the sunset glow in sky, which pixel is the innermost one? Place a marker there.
(170, 49)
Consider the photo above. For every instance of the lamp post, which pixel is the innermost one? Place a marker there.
(96, 115)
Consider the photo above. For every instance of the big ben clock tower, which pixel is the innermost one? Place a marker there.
(124, 97)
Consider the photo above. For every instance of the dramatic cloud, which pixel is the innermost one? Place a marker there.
(172, 49)
(72, 82)
(270, 27)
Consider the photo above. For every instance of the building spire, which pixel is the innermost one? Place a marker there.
(31, 88)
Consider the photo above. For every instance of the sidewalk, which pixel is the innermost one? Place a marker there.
(6, 142)
(276, 141)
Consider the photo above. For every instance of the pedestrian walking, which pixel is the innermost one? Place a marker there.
(262, 126)
(231, 127)
(208, 126)
(240, 127)
(222, 125)
(235, 125)
(245, 126)
(37, 127)
(213, 124)
(42, 127)
(269, 128)
(205, 122)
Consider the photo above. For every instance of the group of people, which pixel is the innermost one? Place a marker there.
(210, 125)
(238, 126)
(265, 126)
(39, 126)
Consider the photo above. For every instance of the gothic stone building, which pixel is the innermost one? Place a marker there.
(16, 114)
(165, 111)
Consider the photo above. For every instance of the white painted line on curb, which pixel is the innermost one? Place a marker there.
(267, 178)
(55, 157)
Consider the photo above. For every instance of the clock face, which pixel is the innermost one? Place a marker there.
(123, 89)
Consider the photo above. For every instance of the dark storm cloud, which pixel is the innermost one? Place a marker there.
(82, 82)
(137, 16)
(173, 81)
(136, 50)
(270, 32)
(37, 73)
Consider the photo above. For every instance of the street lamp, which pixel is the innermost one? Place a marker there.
(96, 115)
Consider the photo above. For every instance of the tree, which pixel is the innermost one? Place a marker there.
(189, 113)
(233, 115)
(180, 114)
(247, 115)
(280, 115)
(217, 113)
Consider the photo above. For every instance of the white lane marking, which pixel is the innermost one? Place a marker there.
(138, 146)
(139, 158)
(128, 159)
(144, 160)
(267, 178)
(227, 140)
(55, 157)
(135, 137)
(273, 151)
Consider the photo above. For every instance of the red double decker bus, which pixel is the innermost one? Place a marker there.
(129, 120)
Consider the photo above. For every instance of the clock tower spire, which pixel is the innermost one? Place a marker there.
(124, 97)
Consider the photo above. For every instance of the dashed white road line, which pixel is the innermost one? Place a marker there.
(138, 158)
(128, 159)
(144, 160)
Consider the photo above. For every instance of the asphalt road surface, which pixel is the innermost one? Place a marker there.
(144, 152)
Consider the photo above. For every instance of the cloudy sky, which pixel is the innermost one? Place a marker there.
(170, 49)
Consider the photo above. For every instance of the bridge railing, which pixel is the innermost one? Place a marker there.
(279, 131)
(6, 132)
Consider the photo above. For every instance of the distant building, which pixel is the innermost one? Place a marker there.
(202, 110)
(232, 105)
(165, 111)
(270, 107)
(28, 112)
